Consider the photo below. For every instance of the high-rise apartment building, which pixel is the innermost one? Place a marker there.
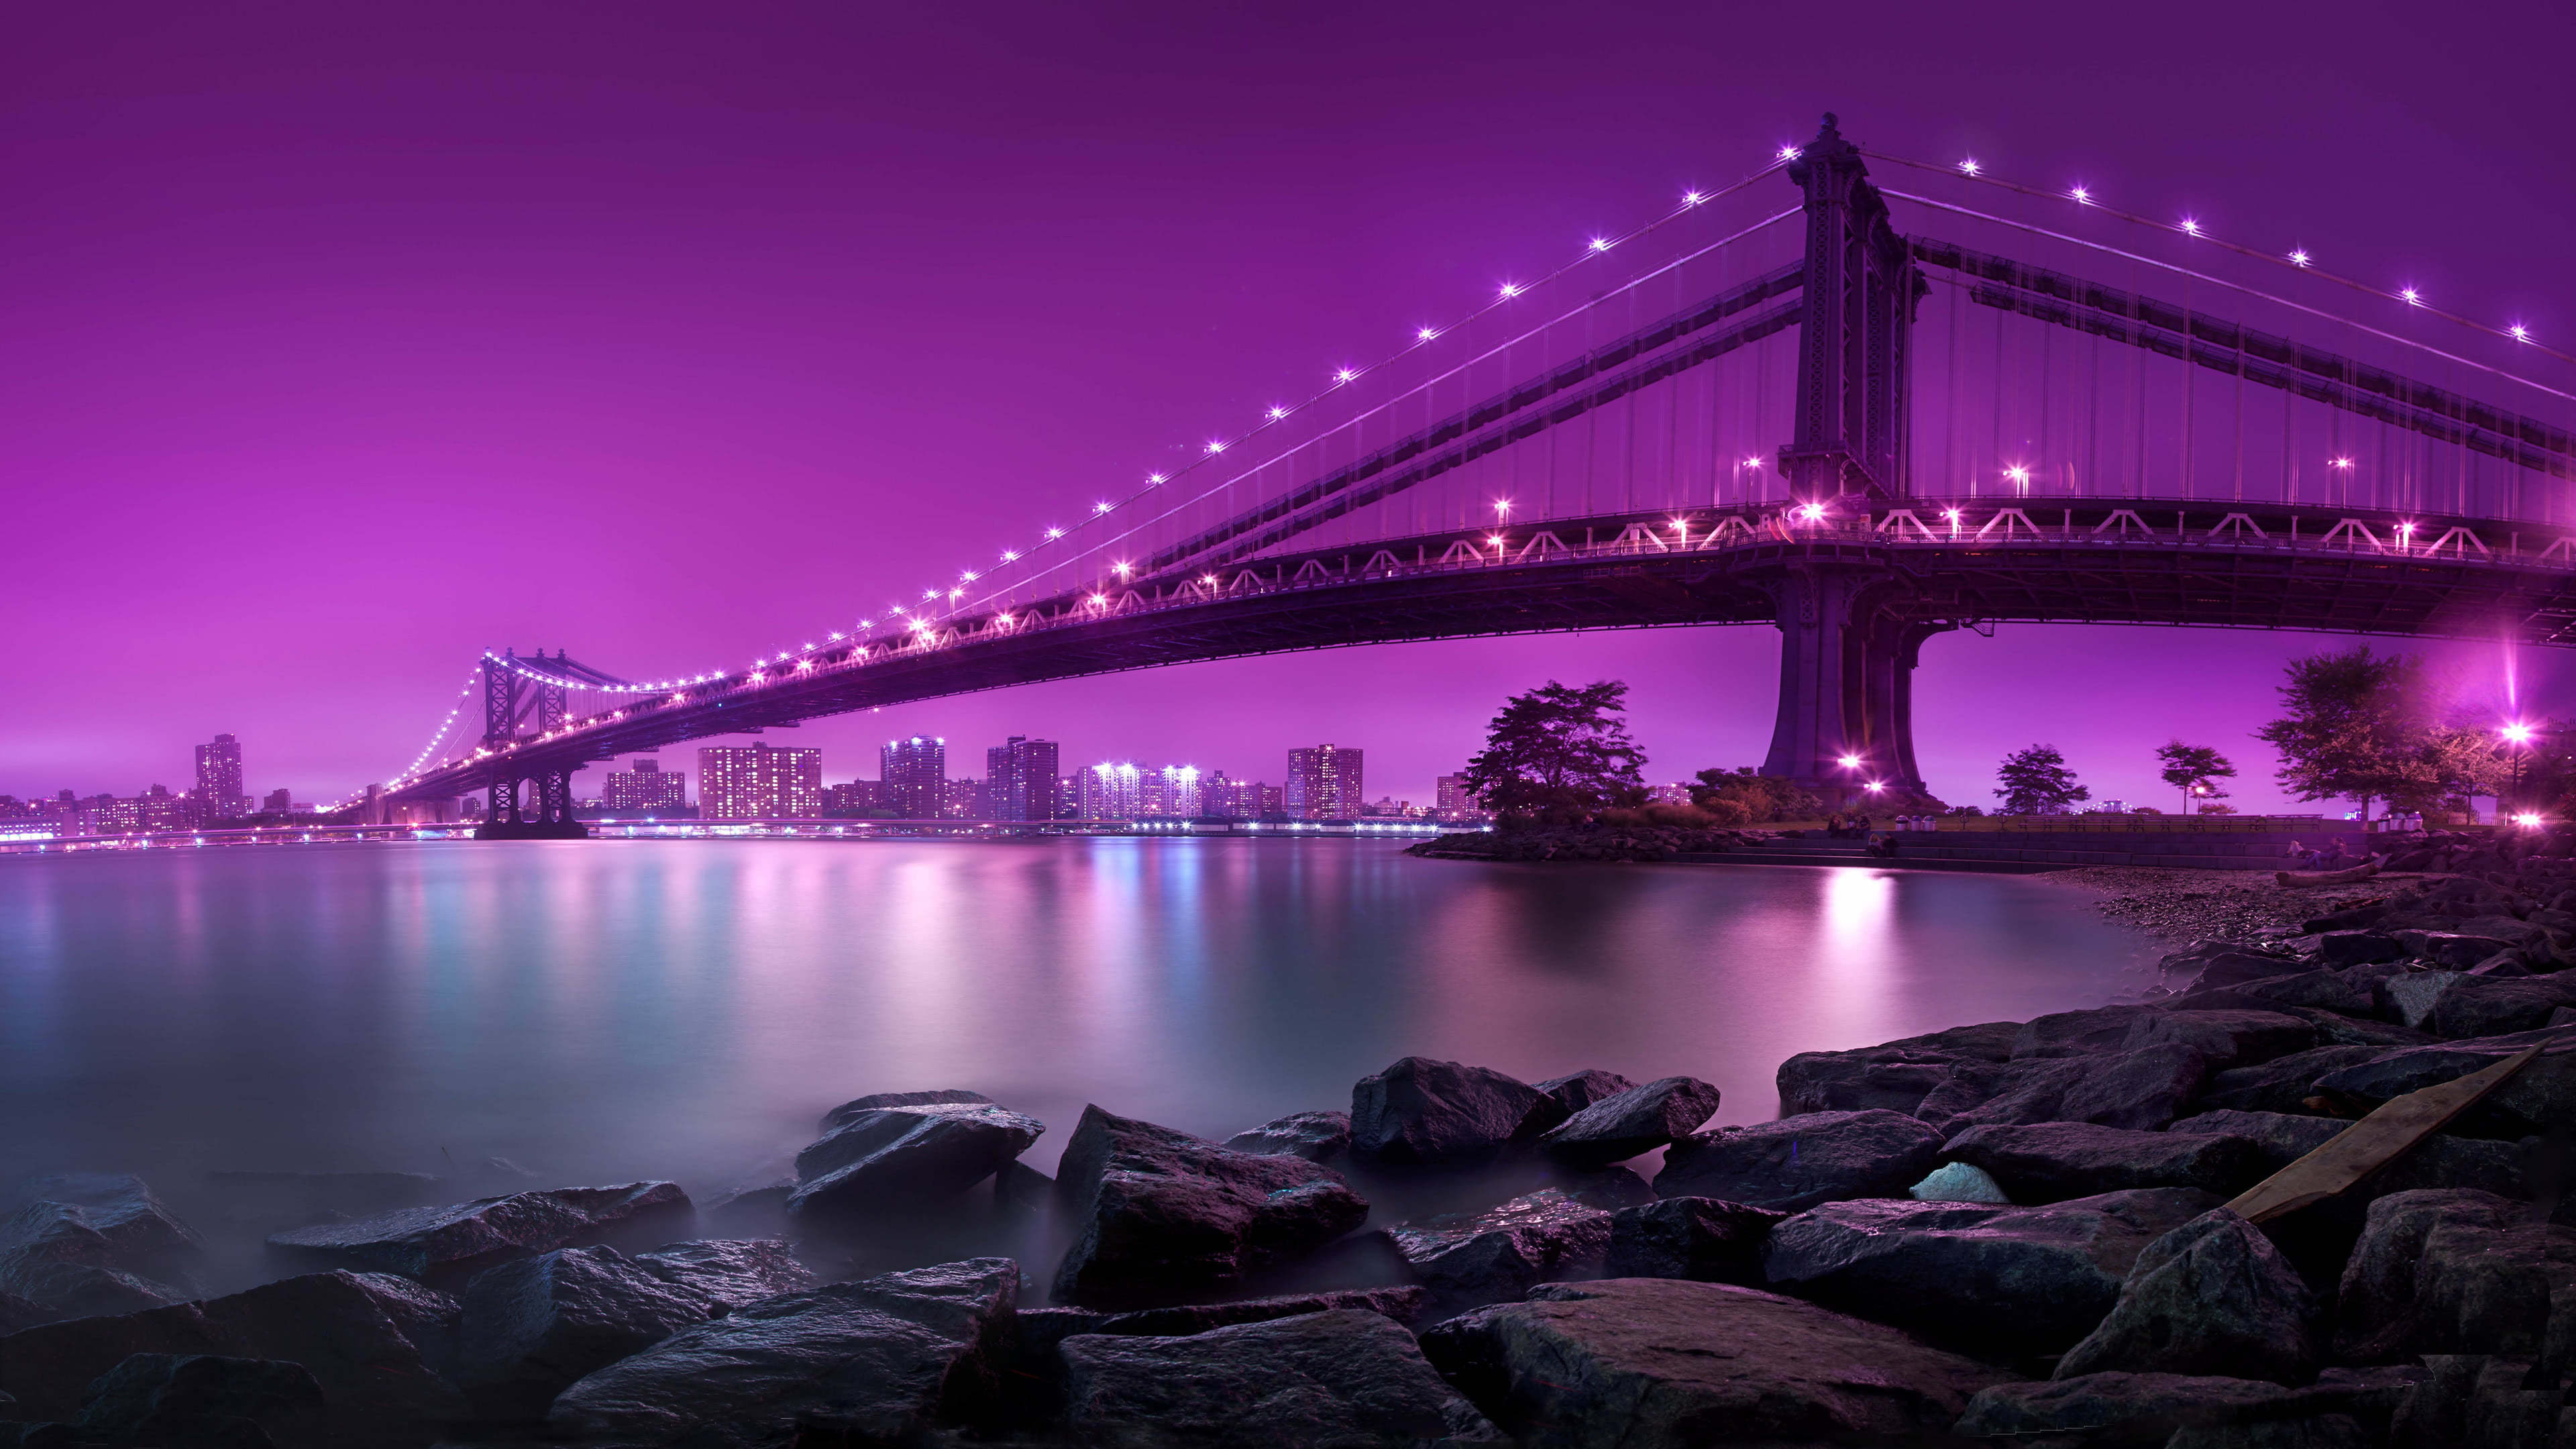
(1181, 795)
(915, 775)
(1113, 791)
(1020, 779)
(1324, 783)
(1450, 796)
(647, 789)
(759, 783)
(219, 793)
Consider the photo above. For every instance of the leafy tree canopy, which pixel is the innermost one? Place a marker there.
(2362, 726)
(2035, 781)
(1559, 751)
(2195, 770)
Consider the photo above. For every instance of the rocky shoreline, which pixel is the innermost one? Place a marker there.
(2009, 1232)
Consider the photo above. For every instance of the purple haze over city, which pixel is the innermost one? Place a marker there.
(348, 341)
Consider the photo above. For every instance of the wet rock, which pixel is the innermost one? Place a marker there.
(1314, 1136)
(730, 1273)
(1041, 1329)
(1346, 1377)
(17, 1313)
(841, 1116)
(418, 1312)
(2482, 1401)
(1891, 1077)
(753, 1209)
(2224, 1038)
(2052, 1161)
(2316, 990)
(96, 1243)
(1660, 1363)
(2143, 1090)
(2283, 1084)
(2488, 1006)
(2338, 949)
(1798, 1162)
(187, 1400)
(534, 1325)
(1699, 1238)
(2456, 950)
(2334, 1030)
(1638, 1120)
(2121, 1408)
(2071, 1033)
(2539, 1097)
(2014, 1281)
(2212, 1294)
(1425, 1111)
(1162, 1215)
(1576, 1091)
(2441, 1160)
(1020, 1188)
(379, 1386)
(878, 1361)
(2454, 1271)
(447, 1245)
(2232, 966)
(1959, 1182)
(2411, 998)
(889, 1159)
(1469, 1259)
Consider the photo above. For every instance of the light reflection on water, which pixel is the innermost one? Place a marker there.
(612, 1010)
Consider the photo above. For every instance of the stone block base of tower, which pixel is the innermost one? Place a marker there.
(1849, 640)
(532, 830)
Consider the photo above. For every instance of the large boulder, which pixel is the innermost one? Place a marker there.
(1798, 1162)
(2074, 1033)
(2212, 1294)
(2283, 1084)
(344, 1327)
(2454, 1270)
(2052, 1161)
(533, 1325)
(2115, 1408)
(891, 1159)
(2143, 1089)
(1162, 1216)
(730, 1273)
(2017, 1282)
(1638, 1120)
(1345, 1377)
(189, 1400)
(1893, 1076)
(840, 1116)
(2478, 1006)
(1314, 1136)
(1467, 1259)
(2539, 1097)
(447, 1245)
(95, 1243)
(1699, 1238)
(2224, 1039)
(2441, 1160)
(2332, 991)
(884, 1360)
(1041, 1329)
(1661, 1363)
(1575, 1091)
(1425, 1111)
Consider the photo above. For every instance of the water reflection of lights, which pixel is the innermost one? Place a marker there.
(1856, 968)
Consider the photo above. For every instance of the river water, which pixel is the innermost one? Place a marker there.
(612, 1010)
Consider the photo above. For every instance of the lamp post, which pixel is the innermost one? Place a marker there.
(2518, 735)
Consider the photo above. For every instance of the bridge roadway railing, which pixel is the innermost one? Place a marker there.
(1963, 529)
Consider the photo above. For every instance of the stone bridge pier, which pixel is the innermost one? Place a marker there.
(1850, 637)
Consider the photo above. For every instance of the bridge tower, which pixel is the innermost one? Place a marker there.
(512, 699)
(1850, 628)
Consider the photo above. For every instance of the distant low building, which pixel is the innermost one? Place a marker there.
(1452, 800)
(1668, 794)
(857, 800)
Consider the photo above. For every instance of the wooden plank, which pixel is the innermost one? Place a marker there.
(2361, 872)
(2370, 1144)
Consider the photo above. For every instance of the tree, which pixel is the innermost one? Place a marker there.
(1760, 798)
(2362, 726)
(2037, 782)
(1559, 750)
(2195, 770)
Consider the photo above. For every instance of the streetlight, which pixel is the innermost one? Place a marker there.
(2518, 734)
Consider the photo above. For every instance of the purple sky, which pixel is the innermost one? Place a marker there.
(347, 341)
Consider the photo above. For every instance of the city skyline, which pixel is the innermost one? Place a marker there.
(223, 425)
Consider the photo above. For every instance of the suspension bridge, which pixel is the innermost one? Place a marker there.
(2023, 406)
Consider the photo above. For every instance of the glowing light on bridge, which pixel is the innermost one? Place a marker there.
(1601, 244)
(2339, 462)
(1496, 540)
(2298, 258)
(1119, 568)
(1969, 166)
(2082, 194)
(1753, 462)
(1812, 512)
(1010, 555)
(1208, 579)
(1055, 533)
(1849, 762)
(1100, 598)
(1503, 507)
(1344, 375)
(1102, 507)
(968, 576)
(1215, 445)
(2190, 227)
(1154, 477)
(1951, 514)
(1789, 153)
(1277, 413)
(2516, 733)
(2526, 819)
(2518, 332)
(2410, 296)
(1874, 786)
(1692, 198)
(2017, 473)
(1426, 334)
(1511, 289)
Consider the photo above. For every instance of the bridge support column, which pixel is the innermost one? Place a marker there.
(547, 814)
(1847, 657)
